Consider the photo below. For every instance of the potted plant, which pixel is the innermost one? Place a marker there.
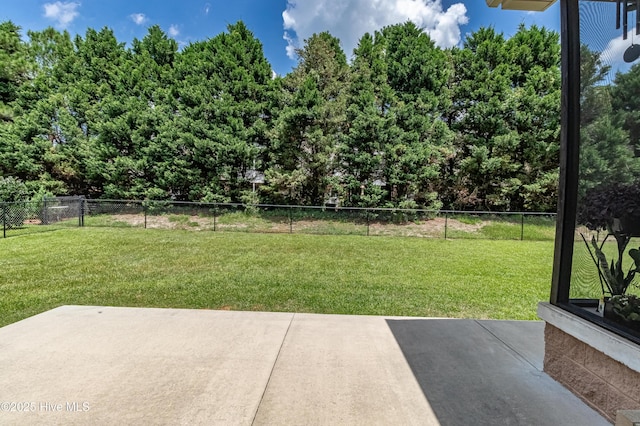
(614, 209)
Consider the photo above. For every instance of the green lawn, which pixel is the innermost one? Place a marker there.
(272, 272)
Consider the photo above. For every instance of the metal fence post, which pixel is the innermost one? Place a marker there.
(4, 220)
(290, 221)
(45, 219)
(80, 212)
(215, 210)
(144, 209)
(446, 223)
(522, 228)
(368, 222)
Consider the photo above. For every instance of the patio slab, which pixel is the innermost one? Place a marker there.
(485, 373)
(342, 370)
(138, 366)
(105, 365)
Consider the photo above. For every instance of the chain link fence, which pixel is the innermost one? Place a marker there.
(63, 212)
(38, 216)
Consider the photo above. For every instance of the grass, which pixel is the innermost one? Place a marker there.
(243, 221)
(469, 220)
(182, 220)
(105, 220)
(495, 228)
(272, 272)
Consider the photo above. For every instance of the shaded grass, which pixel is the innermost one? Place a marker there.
(106, 220)
(182, 220)
(241, 221)
(533, 229)
(272, 272)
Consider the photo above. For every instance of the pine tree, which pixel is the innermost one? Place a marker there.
(306, 133)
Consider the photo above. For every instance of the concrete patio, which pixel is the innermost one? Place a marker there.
(104, 365)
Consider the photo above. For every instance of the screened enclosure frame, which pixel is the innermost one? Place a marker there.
(570, 139)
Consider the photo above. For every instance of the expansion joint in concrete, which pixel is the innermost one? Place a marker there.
(507, 345)
(273, 367)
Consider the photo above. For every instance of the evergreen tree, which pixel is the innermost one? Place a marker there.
(406, 124)
(130, 157)
(418, 140)
(361, 148)
(606, 152)
(14, 67)
(13, 74)
(223, 89)
(505, 112)
(306, 133)
(626, 105)
(27, 151)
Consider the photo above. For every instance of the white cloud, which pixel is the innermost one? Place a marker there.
(207, 8)
(615, 50)
(61, 12)
(174, 31)
(613, 55)
(138, 18)
(350, 19)
(291, 45)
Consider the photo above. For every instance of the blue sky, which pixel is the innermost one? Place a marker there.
(281, 25)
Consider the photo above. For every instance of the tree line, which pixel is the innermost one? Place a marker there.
(402, 123)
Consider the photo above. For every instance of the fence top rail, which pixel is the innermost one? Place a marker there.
(22, 203)
(61, 198)
(330, 207)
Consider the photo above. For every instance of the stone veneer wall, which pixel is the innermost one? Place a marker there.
(602, 382)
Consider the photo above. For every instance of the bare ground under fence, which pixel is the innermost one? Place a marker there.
(28, 217)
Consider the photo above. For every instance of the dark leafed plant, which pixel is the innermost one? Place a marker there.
(612, 275)
(611, 208)
(614, 209)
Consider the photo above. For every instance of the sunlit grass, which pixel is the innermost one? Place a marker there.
(272, 272)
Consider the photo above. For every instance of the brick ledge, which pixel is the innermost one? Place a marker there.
(612, 345)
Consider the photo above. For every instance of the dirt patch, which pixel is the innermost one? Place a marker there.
(429, 228)
(163, 222)
(440, 223)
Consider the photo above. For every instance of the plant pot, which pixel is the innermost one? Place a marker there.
(630, 225)
(611, 316)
